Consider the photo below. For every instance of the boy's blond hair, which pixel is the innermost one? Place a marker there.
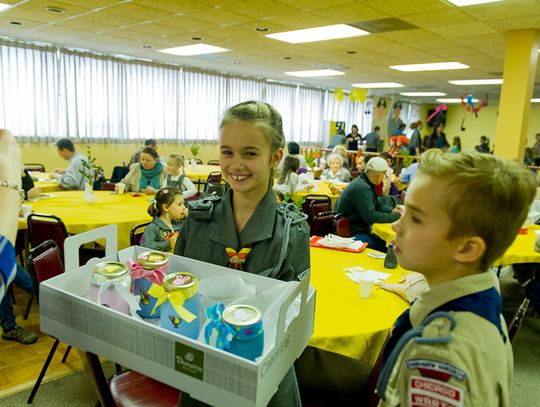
(177, 158)
(486, 196)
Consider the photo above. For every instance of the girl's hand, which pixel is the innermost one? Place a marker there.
(150, 191)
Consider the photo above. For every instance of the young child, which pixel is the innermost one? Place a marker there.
(169, 213)
(176, 178)
(392, 146)
(248, 218)
(456, 145)
(289, 181)
(335, 170)
(462, 211)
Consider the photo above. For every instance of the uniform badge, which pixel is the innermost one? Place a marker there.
(426, 392)
(436, 370)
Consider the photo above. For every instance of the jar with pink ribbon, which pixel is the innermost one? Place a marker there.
(150, 268)
(178, 298)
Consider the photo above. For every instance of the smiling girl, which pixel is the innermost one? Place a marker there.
(248, 218)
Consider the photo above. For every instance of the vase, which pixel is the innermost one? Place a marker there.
(194, 163)
(89, 194)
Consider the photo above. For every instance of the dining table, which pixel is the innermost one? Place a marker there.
(200, 172)
(43, 180)
(124, 210)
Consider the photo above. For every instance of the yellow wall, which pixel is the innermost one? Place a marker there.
(107, 155)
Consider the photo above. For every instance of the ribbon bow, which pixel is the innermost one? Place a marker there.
(138, 271)
(176, 298)
(237, 259)
(225, 332)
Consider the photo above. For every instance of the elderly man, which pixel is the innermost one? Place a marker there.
(360, 203)
(71, 177)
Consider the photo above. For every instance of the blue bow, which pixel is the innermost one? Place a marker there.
(225, 331)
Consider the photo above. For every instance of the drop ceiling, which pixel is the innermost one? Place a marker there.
(440, 32)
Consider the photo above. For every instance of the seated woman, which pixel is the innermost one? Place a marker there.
(342, 151)
(146, 176)
(335, 170)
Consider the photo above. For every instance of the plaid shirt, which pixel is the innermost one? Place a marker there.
(8, 268)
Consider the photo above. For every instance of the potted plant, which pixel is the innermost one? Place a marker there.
(194, 151)
(312, 157)
(89, 169)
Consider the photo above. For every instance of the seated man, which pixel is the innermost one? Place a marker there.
(359, 202)
(136, 156)
(11, 331)
(70, 178)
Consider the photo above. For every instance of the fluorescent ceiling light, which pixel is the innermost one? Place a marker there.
(437, 66)
(195, 49)
(377, 85)
(477, 82)
(315, 73)
(464, 3)
(423, 94)
(4, 6)
(535, 100)
(329, 32)
(454, 100)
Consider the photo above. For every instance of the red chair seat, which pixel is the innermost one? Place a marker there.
(133, 389)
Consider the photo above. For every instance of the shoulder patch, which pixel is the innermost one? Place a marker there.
(203, 208)
(289, 210)
(436, 370)
(424, 392)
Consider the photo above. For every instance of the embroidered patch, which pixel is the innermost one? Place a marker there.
(436, 370)
(425, 392)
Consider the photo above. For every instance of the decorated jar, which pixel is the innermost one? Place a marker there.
(248, 337)
(150, 268)
(110, 286)
(178, 298)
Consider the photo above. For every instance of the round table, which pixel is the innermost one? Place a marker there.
(345, 323)
(323, 188)
(201, 172)
(44, 182)
(79, 216)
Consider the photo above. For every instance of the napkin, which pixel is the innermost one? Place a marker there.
(331, 240)
(368, 275)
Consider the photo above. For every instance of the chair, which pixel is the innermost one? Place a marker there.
(215, 177)
(135, 235)
(213, 162)
(323, 224)
(342, 226)
(129, 388)
(45, 261)
(107, 186)
(317, 207)
(34, 167)
(310, 198)
(119, 172)
(515, 324)
(198, 161)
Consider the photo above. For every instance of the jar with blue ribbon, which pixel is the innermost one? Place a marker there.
(239, 329)
(179, 299)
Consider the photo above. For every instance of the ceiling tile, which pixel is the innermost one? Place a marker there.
(469, 30)
(259, 9)
(350, 13)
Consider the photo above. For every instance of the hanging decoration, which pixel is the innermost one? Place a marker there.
(339, 94)
(358, 95)
(438, 114)
(468, 104)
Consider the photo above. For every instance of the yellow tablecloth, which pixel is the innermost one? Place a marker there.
(323, 189)
(201, 172)
(520, 251)
(344, 322)
(44, 182)
(123, 210)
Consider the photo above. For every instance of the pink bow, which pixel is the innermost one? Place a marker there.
(138, 271)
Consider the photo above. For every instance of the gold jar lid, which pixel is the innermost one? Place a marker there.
(110, 269)
(241, 315)
(179, 281)
(152, 260)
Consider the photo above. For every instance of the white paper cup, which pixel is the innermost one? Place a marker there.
(26, 210)
(120, 188)
(365, 288)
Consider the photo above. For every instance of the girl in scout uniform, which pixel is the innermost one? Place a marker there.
(176, 177)
(169, 212)
(247, 229)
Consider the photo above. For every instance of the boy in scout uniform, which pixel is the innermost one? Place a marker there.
(247, 229)
(451, 348)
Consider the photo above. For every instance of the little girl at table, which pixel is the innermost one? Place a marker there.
(176, 177)
(248, 218)
(289, 181)
(169, 213)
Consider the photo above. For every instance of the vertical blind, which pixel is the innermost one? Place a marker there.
(50, 92)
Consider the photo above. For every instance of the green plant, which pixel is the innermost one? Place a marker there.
(297, 200)
(311, 157)
(195, 149)
(90, 167)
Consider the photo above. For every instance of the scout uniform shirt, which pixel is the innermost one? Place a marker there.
(473, 368)
(159, 236)
(210, 232)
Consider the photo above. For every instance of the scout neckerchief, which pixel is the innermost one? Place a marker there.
(237, 259)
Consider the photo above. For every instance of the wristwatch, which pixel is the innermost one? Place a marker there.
(11, 185)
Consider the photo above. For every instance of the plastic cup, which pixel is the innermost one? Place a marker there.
(120, 188)
(26, 210)
(365, 288)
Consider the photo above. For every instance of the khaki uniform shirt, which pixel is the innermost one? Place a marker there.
(206, 239)
(474, 369)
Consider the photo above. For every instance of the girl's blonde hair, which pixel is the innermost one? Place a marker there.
(177, 158)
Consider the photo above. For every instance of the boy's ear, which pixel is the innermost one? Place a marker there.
(471, 250)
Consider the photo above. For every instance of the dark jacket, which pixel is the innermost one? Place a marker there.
(360, 203)
(157, 234)
(27, 183)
